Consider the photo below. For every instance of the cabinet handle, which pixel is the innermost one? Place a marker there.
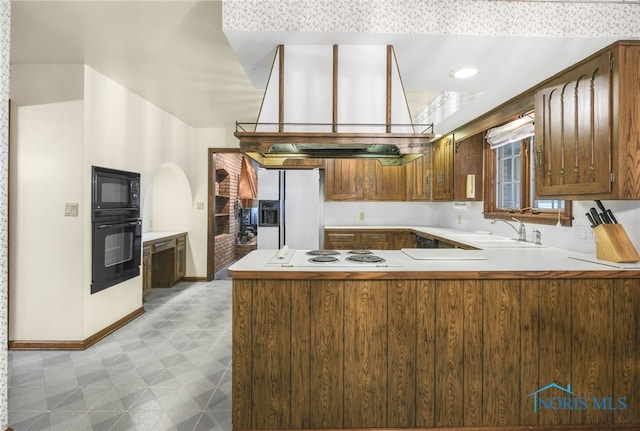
(538, 158)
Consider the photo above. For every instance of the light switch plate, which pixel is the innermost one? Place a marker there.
(71, 209)
(199, 205)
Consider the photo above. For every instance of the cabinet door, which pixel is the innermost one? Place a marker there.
(339, 240)
(181, 258)
(573, 132)
(443, 170)
(373, 241)
(344, 180)
(468, 161)
(385, 183)
(403, 240)
(147, 271)
(418, 175)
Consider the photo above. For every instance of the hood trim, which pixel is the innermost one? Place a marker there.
(273, 148)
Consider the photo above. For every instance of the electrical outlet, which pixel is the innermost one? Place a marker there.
(199, 205)
(361, 216)
(459, 219)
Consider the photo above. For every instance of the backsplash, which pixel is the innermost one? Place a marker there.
(379, 214)
(578, 237)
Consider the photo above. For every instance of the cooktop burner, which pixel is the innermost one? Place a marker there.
(365, 258)
(323, 253)
(360, 252)
(323, 259)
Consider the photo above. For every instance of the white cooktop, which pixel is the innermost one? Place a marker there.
(288, 258)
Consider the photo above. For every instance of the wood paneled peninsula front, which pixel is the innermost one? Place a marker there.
(525, 339)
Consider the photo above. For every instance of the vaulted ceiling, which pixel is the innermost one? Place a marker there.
(207, 62)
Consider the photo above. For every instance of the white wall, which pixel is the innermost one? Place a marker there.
(124, 131)
(380, 214)
(46, 248)
(65, 119)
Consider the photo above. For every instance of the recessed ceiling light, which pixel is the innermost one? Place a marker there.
(463, 73)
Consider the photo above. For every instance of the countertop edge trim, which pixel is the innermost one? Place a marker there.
(429, 275)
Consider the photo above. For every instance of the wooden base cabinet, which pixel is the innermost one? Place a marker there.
(408, 353)
(164, 261)
(147, 272)
(368, 239)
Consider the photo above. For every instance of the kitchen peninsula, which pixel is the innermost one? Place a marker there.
(493, 340)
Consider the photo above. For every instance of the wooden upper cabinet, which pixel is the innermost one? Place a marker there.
(573, 131)
(363, 180)
(587, 136)
(468, 161)
(418, 175)
(442, 170)
(385, 183)
(344, 179)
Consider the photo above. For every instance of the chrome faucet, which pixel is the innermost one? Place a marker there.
(538, 237)
(520, 230)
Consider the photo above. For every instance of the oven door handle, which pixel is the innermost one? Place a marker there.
(132, 223)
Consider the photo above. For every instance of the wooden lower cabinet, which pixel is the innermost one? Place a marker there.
(164, 261)
(402, 353)
(403, 240)
(340, 240)
(181, 258)
(147, 273)
(368, 239)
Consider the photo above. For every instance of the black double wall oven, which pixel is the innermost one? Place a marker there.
(116, 227)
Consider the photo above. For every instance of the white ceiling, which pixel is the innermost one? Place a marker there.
(175, 54)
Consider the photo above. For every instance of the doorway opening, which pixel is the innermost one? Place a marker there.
(233, 209)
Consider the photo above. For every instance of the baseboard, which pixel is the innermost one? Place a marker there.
(612, 427)
(75, 345)
(194, 279)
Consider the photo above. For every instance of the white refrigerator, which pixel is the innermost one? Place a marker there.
(290, 205)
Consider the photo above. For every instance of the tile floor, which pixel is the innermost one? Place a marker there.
(170, 369)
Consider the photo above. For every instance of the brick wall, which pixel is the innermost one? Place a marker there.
(227, 226)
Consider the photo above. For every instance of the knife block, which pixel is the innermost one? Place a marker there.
(613, 244)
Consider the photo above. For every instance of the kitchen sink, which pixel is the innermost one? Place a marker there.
(492, 241)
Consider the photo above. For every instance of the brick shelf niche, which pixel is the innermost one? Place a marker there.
(227, 223)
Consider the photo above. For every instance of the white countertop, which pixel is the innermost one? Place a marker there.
(152, 236)
(498, 259)
(501, 259)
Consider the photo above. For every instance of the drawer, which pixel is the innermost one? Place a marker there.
(164, 245)
(146, 250)
(341, 237)
(374, 237)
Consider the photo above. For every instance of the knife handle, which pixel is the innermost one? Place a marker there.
(593, 223)
(596, 217)
(612, 217)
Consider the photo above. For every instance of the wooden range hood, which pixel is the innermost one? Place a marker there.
(323, 112)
